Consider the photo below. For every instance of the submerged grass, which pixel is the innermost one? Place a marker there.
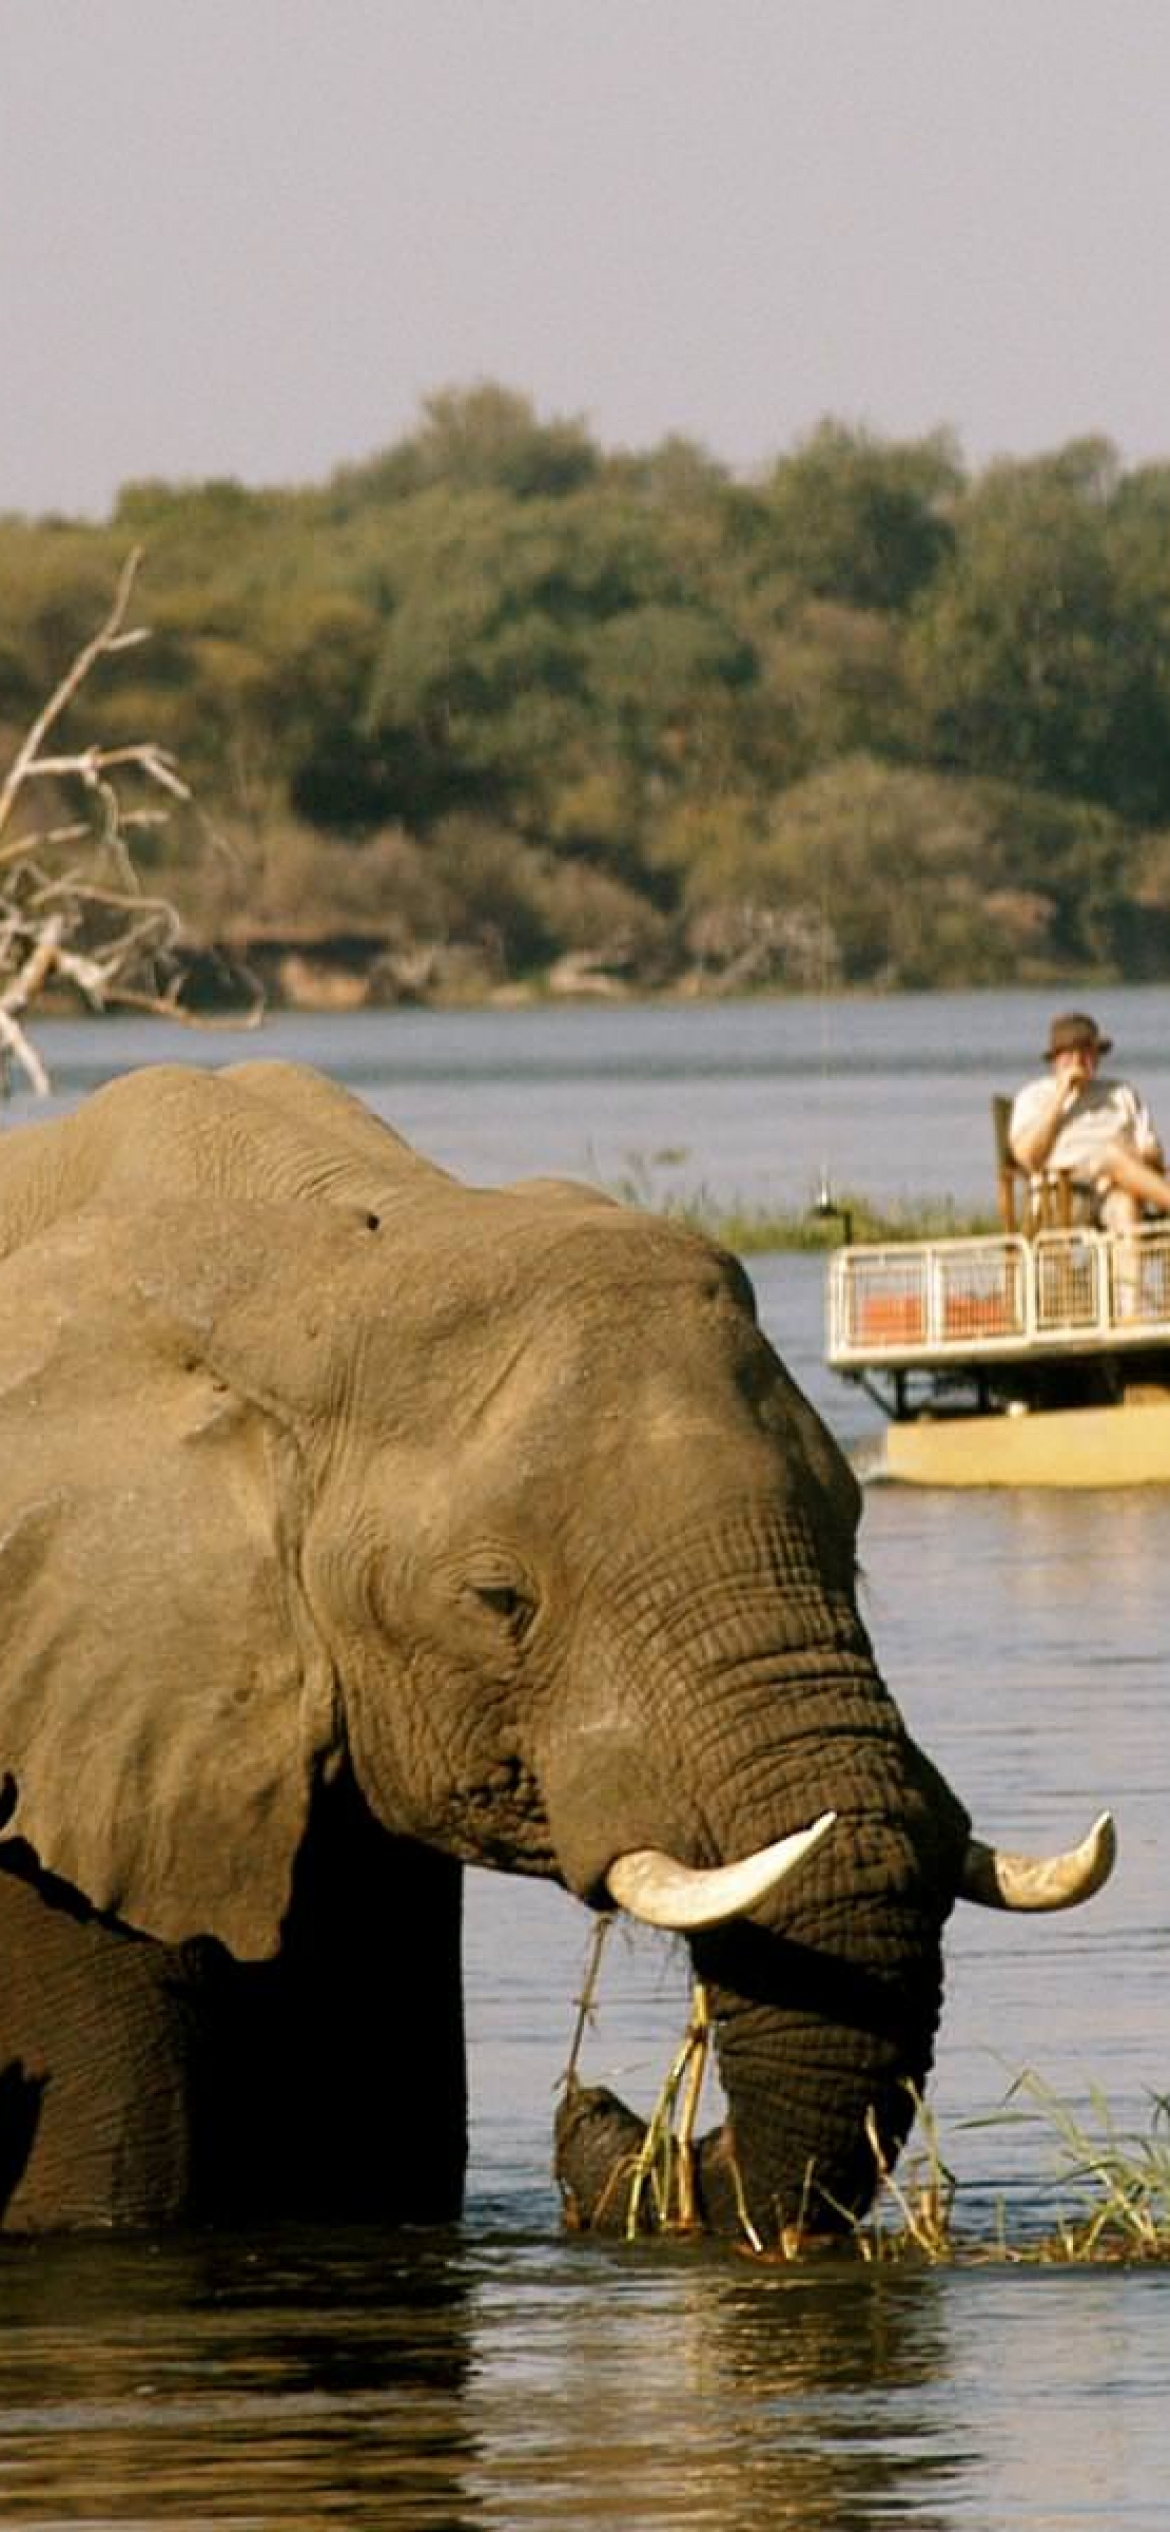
(751, 1228)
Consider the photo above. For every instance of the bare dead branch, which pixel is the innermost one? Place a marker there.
(85, 922)
(15, 998)
(15, 1045)
(109, 636)
(92, 762)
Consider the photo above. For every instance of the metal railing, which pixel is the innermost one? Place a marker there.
(930, 1300)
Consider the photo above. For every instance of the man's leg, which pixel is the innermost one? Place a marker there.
(1121, 1214)
(1129, 1174)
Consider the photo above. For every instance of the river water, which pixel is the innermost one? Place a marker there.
(502, 2375)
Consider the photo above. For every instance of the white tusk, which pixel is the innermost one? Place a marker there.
(1041, 1881)
(661, 1892)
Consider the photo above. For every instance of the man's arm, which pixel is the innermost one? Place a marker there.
(1036, 1120)
(1145, 1133)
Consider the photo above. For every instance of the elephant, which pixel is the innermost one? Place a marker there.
(357, 1525)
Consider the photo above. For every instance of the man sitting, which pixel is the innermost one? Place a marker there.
(1077, 1118)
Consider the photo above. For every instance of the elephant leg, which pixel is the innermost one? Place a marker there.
(101, 2038)
(341, 2089)
(143, 2085)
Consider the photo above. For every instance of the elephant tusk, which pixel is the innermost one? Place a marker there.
(661, 1892)
(994, 1880)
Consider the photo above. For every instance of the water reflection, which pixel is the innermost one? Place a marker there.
(725, 2397)
(452, 2384)
(462, 2385)
(231, 2381)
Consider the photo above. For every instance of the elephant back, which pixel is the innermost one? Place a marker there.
(274, 1131)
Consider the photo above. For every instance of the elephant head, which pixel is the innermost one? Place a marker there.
(313, 1459)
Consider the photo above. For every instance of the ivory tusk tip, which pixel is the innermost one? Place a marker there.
(1102, 1842)
(662, 1892)
(998, 1880)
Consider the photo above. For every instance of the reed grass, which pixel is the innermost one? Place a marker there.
(1118, 2177)
(664, 2172)
(750, 1228)
(1112, 2186)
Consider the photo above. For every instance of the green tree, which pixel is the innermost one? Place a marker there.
(475, 439)
(861, 520)
(1027, 660)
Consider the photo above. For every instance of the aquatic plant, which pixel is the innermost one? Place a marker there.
(1118, 2177)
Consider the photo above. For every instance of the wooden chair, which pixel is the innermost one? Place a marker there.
(1030, 1200)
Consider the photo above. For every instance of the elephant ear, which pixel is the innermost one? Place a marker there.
(164, 1701)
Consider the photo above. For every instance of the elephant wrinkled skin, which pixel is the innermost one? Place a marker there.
(356, 1525)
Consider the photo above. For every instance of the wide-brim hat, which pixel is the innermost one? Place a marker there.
(1074, 1028)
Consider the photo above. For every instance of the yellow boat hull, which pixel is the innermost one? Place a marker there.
(1123, 1445)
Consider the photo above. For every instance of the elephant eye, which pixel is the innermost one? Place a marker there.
(504, 1601)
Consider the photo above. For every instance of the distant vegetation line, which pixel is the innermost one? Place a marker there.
(499, 711)
(750, 1228)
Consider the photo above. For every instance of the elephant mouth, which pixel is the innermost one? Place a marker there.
(498, 1819)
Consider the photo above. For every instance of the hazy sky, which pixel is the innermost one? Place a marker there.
(247, 237)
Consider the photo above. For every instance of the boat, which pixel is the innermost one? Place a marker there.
(1010, 1359)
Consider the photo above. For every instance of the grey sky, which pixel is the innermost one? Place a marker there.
(247, 237)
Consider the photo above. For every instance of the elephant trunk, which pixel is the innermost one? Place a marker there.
(768, 1708)
(821, 2084)
(821, 2076)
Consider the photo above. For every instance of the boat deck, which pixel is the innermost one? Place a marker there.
(1007, 1361)
(982, 1305)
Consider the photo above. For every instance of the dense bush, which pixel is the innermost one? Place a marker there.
(498, 696)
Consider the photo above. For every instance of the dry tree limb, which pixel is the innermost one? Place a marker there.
(109, 637)
(25, 985)
(15, 1047)
(87, 924)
